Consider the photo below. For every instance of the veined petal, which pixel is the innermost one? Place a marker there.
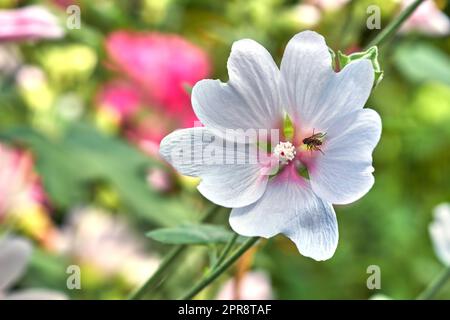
(250, 100)
(315, 93)
(289, 206)
(233, 185)
(14, 255)
(346, 91)
(230, 172)
(343, 173)
(305, 70)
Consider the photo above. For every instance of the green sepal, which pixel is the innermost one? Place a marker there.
(333, 58)
(370, 54)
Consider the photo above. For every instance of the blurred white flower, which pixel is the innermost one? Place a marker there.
(254, 285)
(440, 232)
(30, 77)
(29, 23)
(70, 106)
(333, 135)
(306, 15)
(380, 296)
(10, 59)
(35, 88)
(14, 256)
(427, 18)
(97, 238)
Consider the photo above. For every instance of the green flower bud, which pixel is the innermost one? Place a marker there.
(371, 54)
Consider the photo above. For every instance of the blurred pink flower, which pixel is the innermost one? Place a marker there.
(29, 23)
(254, 285)
(161, 65)
(18, 182)
(147, 131)
(159, 180)
(119, 98)
(427, 19)
(328, 4)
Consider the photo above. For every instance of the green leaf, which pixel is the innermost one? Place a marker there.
(370, 54)
(422, 62)
(192, 234)
(81, 156)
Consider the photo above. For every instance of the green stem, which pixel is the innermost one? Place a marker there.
(435, 286)
(210, 213)
(153, 280)
(215, 273)
(167, 261)
(394, 25)
(226, 250)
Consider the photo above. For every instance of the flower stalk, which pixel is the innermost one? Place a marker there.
(155, 278)
(391, 28)
(435, 286)
(226, 250)
(215, 273)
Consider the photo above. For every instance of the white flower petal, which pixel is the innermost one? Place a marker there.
(14, 255)
(315, 93)
(231, 175)
(343, 174)
(36, 294)
(347, 91)
(290, 207)
(250, 100)
(233, 185)
(440, 232)
(305, 70)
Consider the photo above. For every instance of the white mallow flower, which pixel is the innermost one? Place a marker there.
(333, 136)
(440, 232)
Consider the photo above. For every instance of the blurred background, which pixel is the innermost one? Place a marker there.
(83, 106)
